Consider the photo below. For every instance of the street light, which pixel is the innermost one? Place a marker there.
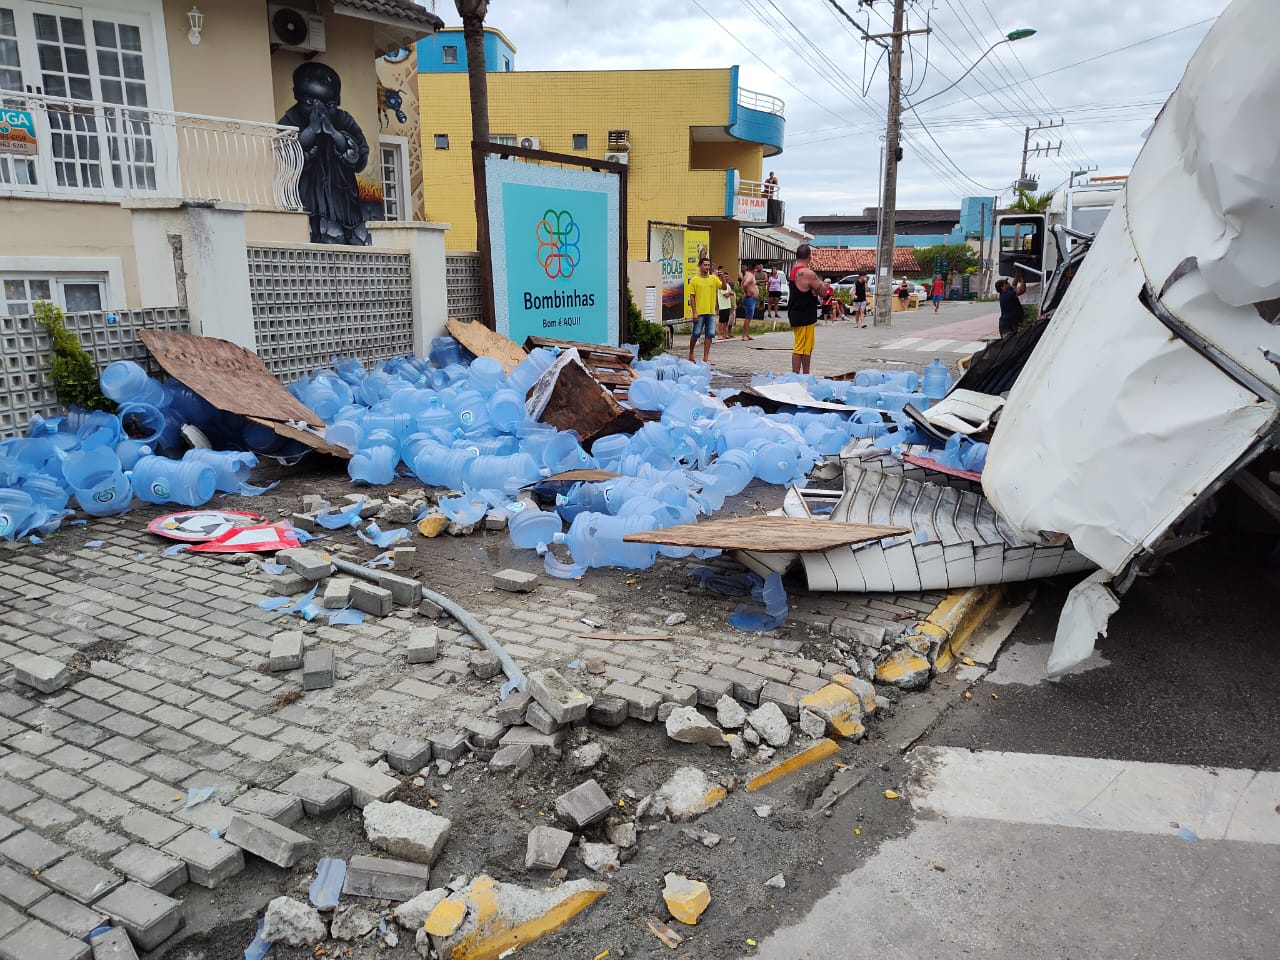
(889, 191)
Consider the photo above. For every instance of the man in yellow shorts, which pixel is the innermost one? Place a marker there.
(805, 292)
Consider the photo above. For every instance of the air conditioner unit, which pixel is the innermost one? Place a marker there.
(617, 157)
(531, 143)
(297, 30)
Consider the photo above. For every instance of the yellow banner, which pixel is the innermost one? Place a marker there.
(697, 244)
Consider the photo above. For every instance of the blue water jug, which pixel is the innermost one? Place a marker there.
(485, 374)
(142, 421)
(374, 464)
(161, 480)
(505, 408)
(528, 526)
(937, 380)
(98, 482)
(125, 381)
(231, 468)
(595, 540)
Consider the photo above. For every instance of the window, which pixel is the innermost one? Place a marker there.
(393, 188)
(449, 53)
(579, 141)
(619, 140)
(442, 141)
(74, 293)
(506, 64)
(509, 139)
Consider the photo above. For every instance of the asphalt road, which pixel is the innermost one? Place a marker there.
(1129, 810)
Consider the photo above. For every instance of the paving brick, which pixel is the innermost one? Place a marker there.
(564, 702)
(672, 691)
(608, 711)
(59, 785)
(308, 564)
(769, 671)
(320, 797)
(90, 711)
(113, 944)
(786, 697)
(20, 889)
(209, 860)
(29, 849)
(158, 871)
(8, 827)
(42, 673)
(287, 650)
(512, 758)
(584, 805)
(511, 711)
(383, 879)
(284, 809)
(515, 581)
(255, 748)
(80, 879)
(10, 920)
(267, 839)
(14, 795)
(372, 599)
(403, 753)
(35, 939)
(318, 669)
(148, 827)
(746, 686)
(126, 725)
(448, 745)
(46, 815)
(423, 645)
(366, 783)
(337, 593)
(66, 915)
(149, 916)
(101, 804)
(642, 704)
(92, 839)
(710, 689)
(404, 590)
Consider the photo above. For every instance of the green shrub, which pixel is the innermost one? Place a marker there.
(75, 378)
(649, 336)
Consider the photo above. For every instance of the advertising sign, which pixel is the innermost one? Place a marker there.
(697, 244)
(554, 234)
(17, 133)
(750, 209)
(666, 247)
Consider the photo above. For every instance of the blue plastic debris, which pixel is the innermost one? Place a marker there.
(258, 947)
(336, 520)
(176, 549)
(327, 886)
(197, 796)
(272, 569)
(95, 544)
(1189, 835)
(382, 538)
(773, 596)
(346, 617)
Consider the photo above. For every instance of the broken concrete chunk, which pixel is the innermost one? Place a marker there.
(584, 805)
(812, 725)
(607, 711)
(586, 757)
(546, 848)
(293, 923)
(687, 725)
(501, 916)
(622, 834)
(561, 699)
(413, 913)
(777, 881)
(385, 879)
(689, 793)
(515, 581)
(730, 714)
(406, 832)
(839, 707)
(352, 923)
(599, 857)
(686, 899)
(771, 724)
(904, 669)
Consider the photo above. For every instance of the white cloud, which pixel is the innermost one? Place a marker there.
(831, 155)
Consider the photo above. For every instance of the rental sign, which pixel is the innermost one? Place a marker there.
(17, 133)
(554, 241)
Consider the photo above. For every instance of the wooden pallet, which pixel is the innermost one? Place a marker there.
(611, 366)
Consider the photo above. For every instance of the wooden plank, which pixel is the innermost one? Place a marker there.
(765, 534)
(580, 403)
(484, 342)
(623, 357)
(304, 436)
(590, 475)
(230, 377)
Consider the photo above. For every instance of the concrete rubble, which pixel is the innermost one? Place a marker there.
(293, 923)
(687, 725)
(689, 793)
(686, 899)
(406, 832)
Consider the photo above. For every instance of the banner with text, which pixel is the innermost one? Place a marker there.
(554, 236)
(697, 244)
(666, 247)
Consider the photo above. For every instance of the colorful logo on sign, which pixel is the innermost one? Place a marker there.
(17, 132)
(559, 237)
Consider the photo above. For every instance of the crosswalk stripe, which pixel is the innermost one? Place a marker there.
(906, 343)
(1098, 794)
(921, 345)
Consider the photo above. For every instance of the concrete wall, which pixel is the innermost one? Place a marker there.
(229, 73)
(657, 106)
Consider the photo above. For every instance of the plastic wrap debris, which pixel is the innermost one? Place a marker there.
(337, 519)
(326, 888)
(197, 796)
(382, 538)
(772, 598)
(1083, 619)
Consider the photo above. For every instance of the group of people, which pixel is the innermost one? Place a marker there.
(714, 302)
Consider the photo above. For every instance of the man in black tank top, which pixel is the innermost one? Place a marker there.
(805, 291)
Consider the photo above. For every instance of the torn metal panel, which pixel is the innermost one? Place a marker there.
(964, 411)
(957, 540)
(772, 397)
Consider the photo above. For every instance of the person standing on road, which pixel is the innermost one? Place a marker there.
(750, 297)
(1010, 306)
(903, 293)
(701, 292)
(936, 293)
(774, 285)
(725, 299)
(860, 300)
(805, 292)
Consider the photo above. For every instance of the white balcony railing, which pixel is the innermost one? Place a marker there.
(763, 102)
(757, 188)
(89, 150)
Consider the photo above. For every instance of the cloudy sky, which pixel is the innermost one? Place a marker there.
(966, 141)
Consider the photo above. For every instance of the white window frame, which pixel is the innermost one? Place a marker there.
(444, 53)
(108, 271)
(401, 146)
(506, 139)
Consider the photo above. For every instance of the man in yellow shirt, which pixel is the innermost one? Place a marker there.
(702, 292)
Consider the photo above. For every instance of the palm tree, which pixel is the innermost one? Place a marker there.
(1028, 202)
(473, 13)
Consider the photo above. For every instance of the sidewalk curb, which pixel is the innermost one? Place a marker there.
(953, 621)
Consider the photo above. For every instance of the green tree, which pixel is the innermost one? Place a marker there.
(1031, 202)
(958, 257)
(75, 378)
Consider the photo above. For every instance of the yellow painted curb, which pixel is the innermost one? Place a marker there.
(819, 751)
(959, 614)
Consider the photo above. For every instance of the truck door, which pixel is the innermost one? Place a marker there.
(1022, 239)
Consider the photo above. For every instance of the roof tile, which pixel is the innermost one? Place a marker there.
(860, 260)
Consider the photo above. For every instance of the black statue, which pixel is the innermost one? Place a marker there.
(335, 151)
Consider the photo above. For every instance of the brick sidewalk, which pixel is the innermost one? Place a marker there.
(169, 691)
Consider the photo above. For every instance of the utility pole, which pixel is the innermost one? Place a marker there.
(892, 151)
(1037, 150)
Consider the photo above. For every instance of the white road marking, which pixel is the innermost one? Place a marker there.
(1098, 794)
(921, 345)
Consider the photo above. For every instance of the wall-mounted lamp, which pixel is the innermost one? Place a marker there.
(196, 19)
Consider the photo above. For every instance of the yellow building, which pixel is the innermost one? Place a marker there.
(693, 140)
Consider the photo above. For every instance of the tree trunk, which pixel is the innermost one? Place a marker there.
(473, 13)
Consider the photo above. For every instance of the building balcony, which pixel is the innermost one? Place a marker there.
(753, 118)
(753, 202)
(93, 151)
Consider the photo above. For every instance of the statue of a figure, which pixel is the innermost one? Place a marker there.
(335, 151)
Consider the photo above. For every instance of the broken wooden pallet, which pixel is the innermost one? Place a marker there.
(611, 366)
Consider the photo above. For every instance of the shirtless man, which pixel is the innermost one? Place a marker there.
(750, 297)
(805, 293)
